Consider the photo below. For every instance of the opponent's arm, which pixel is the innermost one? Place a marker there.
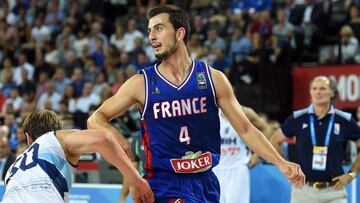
(131, 92)
(108, 145)
(251, 136)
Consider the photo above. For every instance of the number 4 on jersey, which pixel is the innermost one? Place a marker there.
(184, 135)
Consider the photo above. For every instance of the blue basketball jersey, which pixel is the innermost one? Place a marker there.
(180, 124)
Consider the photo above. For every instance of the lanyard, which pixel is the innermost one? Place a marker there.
(328, 133)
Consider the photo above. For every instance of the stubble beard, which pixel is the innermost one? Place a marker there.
(168, 52)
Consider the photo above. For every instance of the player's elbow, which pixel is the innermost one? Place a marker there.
(93, 120)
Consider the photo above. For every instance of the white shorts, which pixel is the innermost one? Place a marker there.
(234, 184)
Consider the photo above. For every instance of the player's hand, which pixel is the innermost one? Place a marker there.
(342, 181)
(294, 173)
(141, 192)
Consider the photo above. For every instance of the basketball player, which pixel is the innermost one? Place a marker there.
(236, 159)
(179, 101)
(42, 173)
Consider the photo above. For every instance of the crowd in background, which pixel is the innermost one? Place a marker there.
(69, 56)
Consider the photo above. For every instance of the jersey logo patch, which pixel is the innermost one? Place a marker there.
(192, 162)
(305, 125)
(200, 77)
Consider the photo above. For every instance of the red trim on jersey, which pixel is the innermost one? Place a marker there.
(146, 143)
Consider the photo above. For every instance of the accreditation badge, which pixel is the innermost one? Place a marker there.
(319, 158)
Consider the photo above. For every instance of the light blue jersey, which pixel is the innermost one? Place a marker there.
(40, 174)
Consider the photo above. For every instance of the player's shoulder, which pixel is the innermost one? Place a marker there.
(342, 114)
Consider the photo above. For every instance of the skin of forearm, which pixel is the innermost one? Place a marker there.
(258, 143)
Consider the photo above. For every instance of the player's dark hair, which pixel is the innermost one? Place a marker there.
(40, 122)
(177, 17)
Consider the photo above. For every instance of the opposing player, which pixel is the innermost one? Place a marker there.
(236, 159)
(42, 172)
(179, 100)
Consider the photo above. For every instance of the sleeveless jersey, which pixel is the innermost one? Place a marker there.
(180, 124)
(40, 174)
(233, 150)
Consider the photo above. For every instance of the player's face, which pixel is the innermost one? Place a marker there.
(162, 36)
(320, 91)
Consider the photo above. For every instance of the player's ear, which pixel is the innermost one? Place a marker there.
(180, 33)
(28, 139)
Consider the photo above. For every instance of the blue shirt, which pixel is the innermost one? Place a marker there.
(345, 128)
(180, 123)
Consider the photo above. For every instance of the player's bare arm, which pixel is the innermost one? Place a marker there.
(251, 136)
(107, 144)
(130, 93)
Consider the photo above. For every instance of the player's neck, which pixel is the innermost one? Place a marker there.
(177, 66)
(321, 110)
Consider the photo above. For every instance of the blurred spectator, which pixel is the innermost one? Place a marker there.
(120, 80)
(117, 38)
(105, 93)
(111, 55)
(195, 47)
(6, 157)
(354, 20)
(78, 81)
(87, 99)
(100, 83)
(283, 30)
(221, 62)
(240, 46)
(41, 84)
(54, 18)
(95, 35)
(61, 81)
(110, 70)
(6, 69)
(198, 28)
(91, 70)
(130, 35)
(23, 64)
(263, 26)
(8, 84)
(14, 100)
(42, 66)
(99, 54)
(66, 118)
(52, 96)
(66, 33)
(347, 51)
(142, 61)
(308, 19)
(81, 43)
(214, 40)
(40, 32)
(26, 85)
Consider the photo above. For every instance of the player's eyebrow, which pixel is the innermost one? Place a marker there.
(156, 25)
